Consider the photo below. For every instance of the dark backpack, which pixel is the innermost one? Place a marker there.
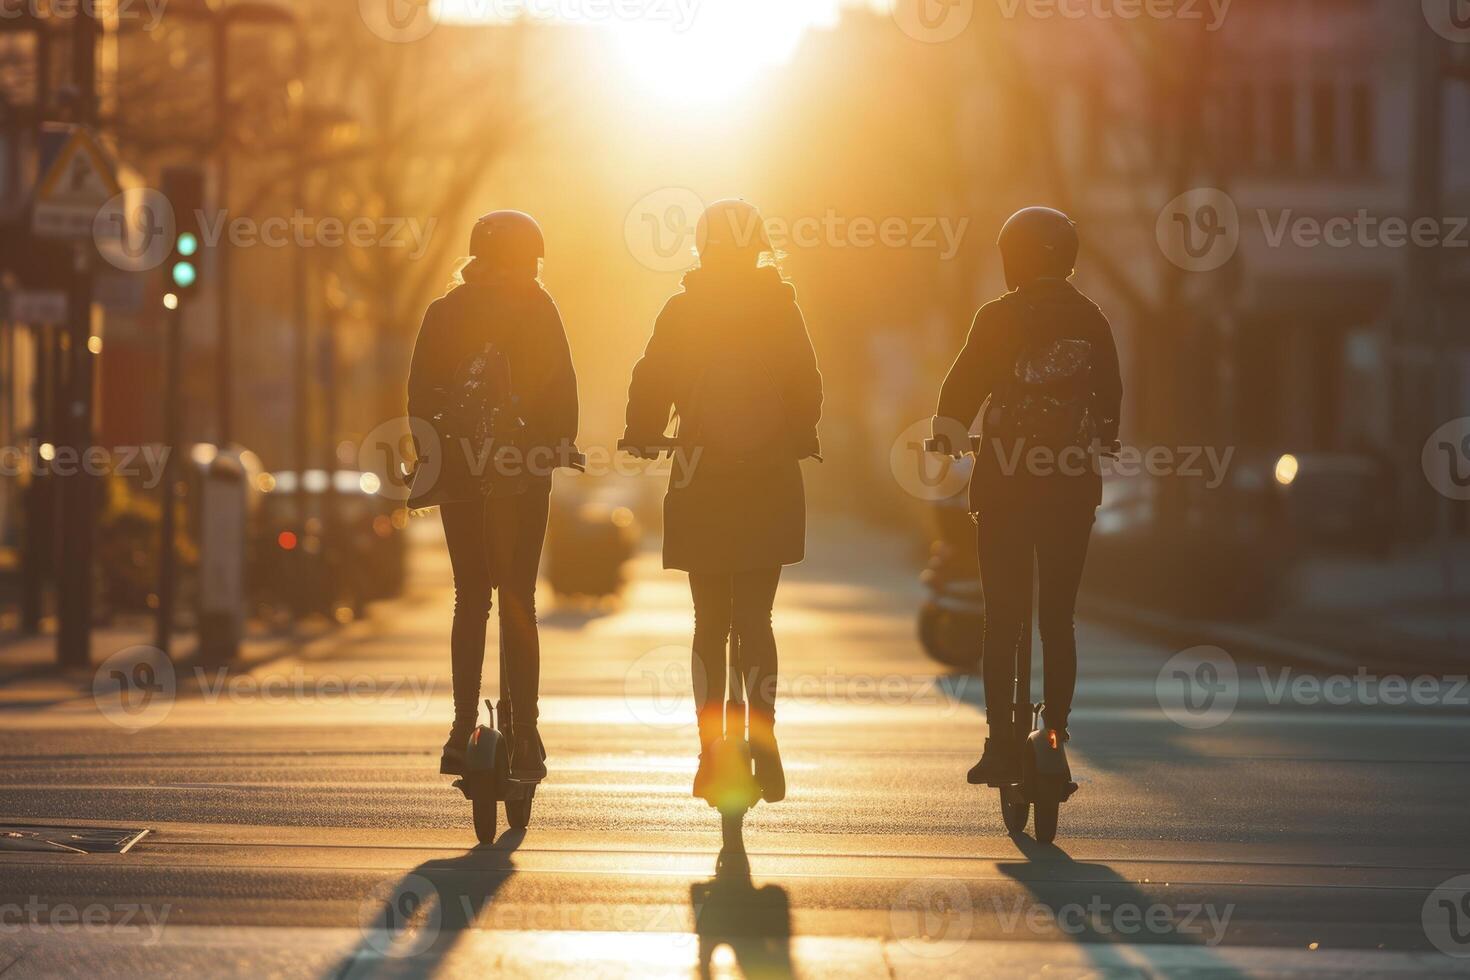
(1046, 397)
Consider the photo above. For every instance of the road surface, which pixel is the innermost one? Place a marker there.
(298, 825)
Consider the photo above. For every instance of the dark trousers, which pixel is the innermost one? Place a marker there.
(742, 601)
(1008, 540)
(496, 544)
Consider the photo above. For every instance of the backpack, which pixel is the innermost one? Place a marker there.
(1046, 398)
(479, 433)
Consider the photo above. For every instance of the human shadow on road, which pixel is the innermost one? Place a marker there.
(1094, 906)
(730, 911)
(419, 919)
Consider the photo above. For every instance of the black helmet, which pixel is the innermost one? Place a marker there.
(1038, 243)
(732, 225)
(508, 240)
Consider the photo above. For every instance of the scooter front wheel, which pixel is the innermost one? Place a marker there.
(484, 805)
(1015, 809)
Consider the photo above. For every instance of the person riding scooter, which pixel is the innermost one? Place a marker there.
(1041, 361)
(492, 373)
(730, 356)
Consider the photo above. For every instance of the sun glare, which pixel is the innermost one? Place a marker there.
(684, 51)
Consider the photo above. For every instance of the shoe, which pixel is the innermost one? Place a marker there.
(452, 761)
(769, 772)
(1000, 764)
(527, 755)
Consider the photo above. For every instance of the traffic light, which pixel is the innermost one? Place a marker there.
(184, 188)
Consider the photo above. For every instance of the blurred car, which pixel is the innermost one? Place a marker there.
(591, 535)
(1338, 500)
(347, 549)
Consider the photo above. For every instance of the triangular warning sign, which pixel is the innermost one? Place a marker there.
(80, 176)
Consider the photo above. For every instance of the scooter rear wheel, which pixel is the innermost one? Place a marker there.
(518, 812)
(1046, 820)
(484, 806)
(1014, 809)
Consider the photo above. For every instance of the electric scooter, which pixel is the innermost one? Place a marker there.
(1046, 777)
(487, 781)
(737, 791)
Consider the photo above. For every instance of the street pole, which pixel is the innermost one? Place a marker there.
(224, 340)
(173, 424)
(79, 516)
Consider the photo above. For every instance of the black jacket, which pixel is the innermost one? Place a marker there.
(723, 518)
(1001, 329)
(520, 319)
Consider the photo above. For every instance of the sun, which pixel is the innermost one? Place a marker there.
(717, 54)
(681, 51)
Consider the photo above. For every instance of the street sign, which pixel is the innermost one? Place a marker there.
(79, 181)
(38, 307)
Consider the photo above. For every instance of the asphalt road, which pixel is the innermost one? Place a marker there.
(298, 825)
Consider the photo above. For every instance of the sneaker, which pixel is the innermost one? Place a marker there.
(1000, 764)
(527, 755)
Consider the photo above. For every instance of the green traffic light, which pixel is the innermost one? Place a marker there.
(185, 275)
(188, 244)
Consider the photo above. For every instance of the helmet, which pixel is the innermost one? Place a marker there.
(1038, 243)
(732, 225)
(508, 239)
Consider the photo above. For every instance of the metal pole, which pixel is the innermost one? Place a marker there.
(301, 302)
(173, 424)
(224, 340)
(74, 630)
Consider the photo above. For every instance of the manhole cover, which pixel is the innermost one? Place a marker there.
(75, 840)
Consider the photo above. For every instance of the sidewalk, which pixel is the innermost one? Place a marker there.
(1394, 615)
